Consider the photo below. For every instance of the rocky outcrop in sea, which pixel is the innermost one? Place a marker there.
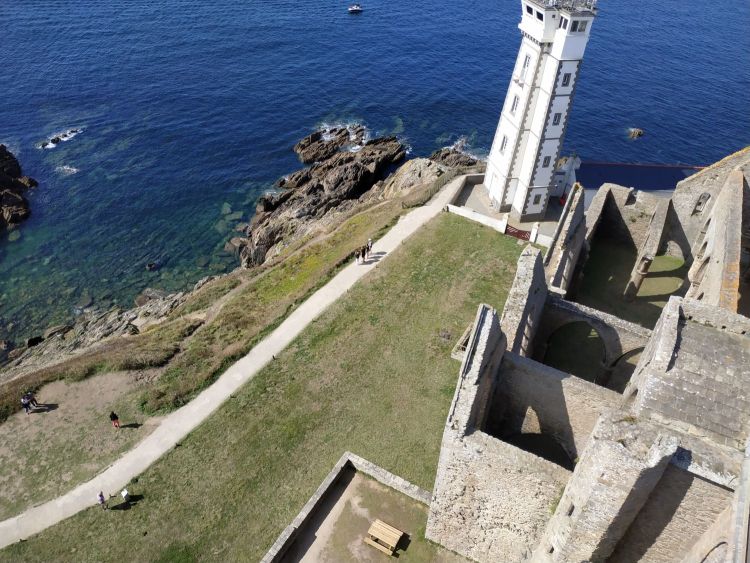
(342, 173)
(14, 207)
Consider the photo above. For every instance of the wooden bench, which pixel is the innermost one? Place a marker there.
(383, 537)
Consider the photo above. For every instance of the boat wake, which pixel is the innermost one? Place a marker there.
(58, 138)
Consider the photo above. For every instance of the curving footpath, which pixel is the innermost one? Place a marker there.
(180, 423)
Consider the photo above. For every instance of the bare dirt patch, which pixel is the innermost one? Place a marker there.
(45, 453)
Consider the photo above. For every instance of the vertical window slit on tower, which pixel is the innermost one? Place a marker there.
(514, 105)
(556, 119)
(503, 143)
(566, 79)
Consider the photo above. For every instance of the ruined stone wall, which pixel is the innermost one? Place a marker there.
(694, 373)
(715, 274)
(567, 242)
(619, 468)
(525, 302)
(493, 500)
(620, 213)
(709, 181)
(484, 352)
(534, 398)
(681, 508)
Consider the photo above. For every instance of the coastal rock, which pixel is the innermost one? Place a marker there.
(325, 143)
(55, 330)
(149, 294)
(91, 328)
(34, 341)
(58, 138)
(310, 194)
(635, 133)
(412, 174)
(452, 157)
(14, 207)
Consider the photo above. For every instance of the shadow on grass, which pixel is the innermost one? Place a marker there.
(44, 407)
(128, 504)
(132, 425)
(403, 545)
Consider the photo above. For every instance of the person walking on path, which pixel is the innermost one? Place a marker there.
(115, 419)
(102, 500)
(26, 404)
(369, 245)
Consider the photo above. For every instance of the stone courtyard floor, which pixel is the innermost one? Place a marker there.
(336, 531)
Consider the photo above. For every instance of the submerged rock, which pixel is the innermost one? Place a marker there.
(635, 133)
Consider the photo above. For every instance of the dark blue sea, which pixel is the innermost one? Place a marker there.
(187, 106)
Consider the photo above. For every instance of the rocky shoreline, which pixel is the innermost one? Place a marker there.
(14, 207)
(338, 178)
(346, 173)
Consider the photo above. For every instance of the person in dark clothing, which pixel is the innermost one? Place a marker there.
(26, 404)
(115, 419)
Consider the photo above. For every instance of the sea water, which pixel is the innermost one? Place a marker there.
(188, 111)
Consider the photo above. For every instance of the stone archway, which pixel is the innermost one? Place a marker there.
(577, 348)
(622, 370)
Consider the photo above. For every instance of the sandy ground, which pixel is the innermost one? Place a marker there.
(48, 451)
(336, 530)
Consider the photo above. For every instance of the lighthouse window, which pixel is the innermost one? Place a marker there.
(556, 119)
(514, 105)
(564, 22)
(526, 61)
(503, 143)
(529, 10)
(545, 162)
(579, 26)
(540, 16)
(566, 79)
(537, 199)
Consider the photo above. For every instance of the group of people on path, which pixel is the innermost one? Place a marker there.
(362, 254)
(28, 401)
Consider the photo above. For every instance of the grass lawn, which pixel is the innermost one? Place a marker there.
(607, 272)
(47, 454)
(373, 375)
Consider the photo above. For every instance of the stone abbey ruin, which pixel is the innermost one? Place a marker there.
(644, 457)
(645, 464)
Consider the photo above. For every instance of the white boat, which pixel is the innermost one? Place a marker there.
(355, 8)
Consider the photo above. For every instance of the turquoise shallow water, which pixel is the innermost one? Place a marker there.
(190, 105)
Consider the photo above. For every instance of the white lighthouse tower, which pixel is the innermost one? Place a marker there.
(521, 166)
